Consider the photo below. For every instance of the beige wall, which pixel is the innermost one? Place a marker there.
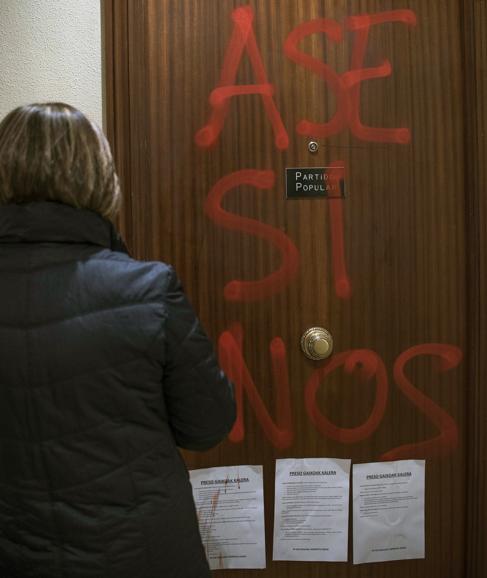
(51, 50)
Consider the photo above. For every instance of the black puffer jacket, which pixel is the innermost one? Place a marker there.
(104, 369)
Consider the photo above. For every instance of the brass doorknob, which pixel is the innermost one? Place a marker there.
(317, 343)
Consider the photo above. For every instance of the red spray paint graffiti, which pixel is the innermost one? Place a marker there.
(279, 432)
(343, 287)
(275, 281)
(447, 440)
(243, 38)
(353, 79)
(346, 87)
(333, 31)
(246, 291)
(366, 364)
(363, 363)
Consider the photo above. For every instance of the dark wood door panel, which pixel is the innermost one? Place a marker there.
(384, 269)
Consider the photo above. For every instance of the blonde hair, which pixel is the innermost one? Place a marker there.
(52, 152)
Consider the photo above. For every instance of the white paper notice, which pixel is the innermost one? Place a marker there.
(388, 511)
(311, 509)
(230, 506)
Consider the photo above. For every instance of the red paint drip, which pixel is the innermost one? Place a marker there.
(279, 432)
(243, 38)
(336, 176)
(353, 79)
(246, 291)
(366, 364)
(447, 440)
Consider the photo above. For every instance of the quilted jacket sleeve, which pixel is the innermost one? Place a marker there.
(198, 395)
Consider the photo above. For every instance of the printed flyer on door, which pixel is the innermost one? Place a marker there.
(311, 509)
(230, 506)
(388, 511)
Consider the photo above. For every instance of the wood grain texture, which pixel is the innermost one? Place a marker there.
(411, 254)
(475, 31)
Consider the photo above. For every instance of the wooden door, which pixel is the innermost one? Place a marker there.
(208, 102)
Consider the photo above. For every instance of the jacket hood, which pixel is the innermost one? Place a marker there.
(53, 222)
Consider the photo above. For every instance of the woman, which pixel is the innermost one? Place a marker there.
(104, 370)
